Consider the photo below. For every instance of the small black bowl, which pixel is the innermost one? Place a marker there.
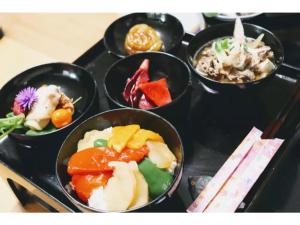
(120, 117)
(74, 82)
(169, 28)
(162, 65)
(222, 30)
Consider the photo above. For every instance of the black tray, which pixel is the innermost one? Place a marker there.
(217, 125)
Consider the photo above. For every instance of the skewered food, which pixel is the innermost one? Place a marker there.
(40, 114)
(38, 111)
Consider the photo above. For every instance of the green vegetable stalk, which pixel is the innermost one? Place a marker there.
(9, 124)
(158, 179)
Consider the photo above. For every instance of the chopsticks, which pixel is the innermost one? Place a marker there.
(278, 122)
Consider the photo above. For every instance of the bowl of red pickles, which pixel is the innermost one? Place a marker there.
(121, 160)
(153, 81)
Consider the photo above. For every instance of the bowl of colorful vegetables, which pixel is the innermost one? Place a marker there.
(120, 160)
(153, 81)
(42, 104)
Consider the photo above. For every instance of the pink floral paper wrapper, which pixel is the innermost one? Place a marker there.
(241, 181)
(225, 172)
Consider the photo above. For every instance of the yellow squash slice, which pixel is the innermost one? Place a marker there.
(139, 138)
(121, 135)
(160, 154)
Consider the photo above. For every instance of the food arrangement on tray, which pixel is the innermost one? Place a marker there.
(39, 111)
(131, 159)
(119, 160)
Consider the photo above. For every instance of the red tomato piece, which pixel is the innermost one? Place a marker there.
(128, 155)
(85, 184)
(157, 92)
(92, 161)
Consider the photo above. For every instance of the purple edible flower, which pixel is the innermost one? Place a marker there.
(26, 98)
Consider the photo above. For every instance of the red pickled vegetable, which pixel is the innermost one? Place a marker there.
(131, 93)
(17, 108)
(128, 155)
(157, 91)
(145, 103)
(91, 161)
(85, 184)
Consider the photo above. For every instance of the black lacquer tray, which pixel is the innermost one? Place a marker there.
(217, 124)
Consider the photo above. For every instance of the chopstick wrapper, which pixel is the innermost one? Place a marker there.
(238, 174)
(225, 172)
(240, 183)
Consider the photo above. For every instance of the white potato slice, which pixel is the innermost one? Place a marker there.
(91, 136)
(97, 199)
(120, 189)
(160, 154)
(141, 194)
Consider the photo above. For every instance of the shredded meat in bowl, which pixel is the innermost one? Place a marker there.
(236, 59)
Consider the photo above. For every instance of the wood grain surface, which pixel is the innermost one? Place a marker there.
(33, 39)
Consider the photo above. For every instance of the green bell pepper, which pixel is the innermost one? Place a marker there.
(158, 179)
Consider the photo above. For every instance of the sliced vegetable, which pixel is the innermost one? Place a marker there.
(120, 190)
(100, 143)
(157, 92)
(145, 103)
(128, 155)
(160, 154)
(139, 138)
(121, 135)
(85, 184)
(91, 136)
(158, 179)
(131, 93)
(141, 196)
(91, 161)
(61, 117)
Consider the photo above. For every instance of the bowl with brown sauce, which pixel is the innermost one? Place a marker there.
(143, 32)
(234, 56)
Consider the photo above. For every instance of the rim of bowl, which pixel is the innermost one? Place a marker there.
(158, 198)
(120, 55)
(230, 18)
(80, 115)
(199, 74)
(186, 89)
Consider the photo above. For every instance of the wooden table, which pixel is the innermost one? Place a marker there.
(33, 39)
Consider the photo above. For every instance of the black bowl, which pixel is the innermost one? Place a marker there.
(120, 117)
(222, 30)
(74, 82)
(169, 27)
(161, 65)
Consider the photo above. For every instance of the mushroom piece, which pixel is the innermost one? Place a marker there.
(265, 67)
